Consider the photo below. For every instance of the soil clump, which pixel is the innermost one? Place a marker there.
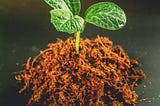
(101, 74)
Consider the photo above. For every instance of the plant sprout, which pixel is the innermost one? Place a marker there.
(65, 16)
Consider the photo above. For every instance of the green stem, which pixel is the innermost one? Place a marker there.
(77, 35)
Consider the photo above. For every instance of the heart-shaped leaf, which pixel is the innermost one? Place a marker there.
(65, 21)
(106, 15)
(74, 6)
(71, 5)
(57, 4)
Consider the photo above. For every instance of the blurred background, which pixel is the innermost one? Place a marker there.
(25, 29)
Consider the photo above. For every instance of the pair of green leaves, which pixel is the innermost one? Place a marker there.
(64, 15)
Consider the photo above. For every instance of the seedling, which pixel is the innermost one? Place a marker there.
(65, 16)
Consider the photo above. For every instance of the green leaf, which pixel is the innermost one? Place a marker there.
(65, 21)
(106, 15)
(57, 4)
(71, 5)
(74, 6)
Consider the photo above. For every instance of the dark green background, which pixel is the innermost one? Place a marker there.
(25, 29)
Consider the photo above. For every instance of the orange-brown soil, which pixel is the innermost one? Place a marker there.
(99, 75)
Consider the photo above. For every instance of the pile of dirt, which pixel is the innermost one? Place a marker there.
(100, 74)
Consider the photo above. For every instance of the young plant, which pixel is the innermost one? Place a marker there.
(65, 16)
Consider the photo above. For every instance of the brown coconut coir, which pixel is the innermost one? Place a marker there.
(99, 75)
